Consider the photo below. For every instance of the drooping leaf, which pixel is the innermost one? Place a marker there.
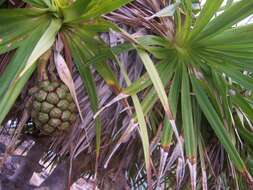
(75, 10)
(14, 29)
(15, 77)
(65, 76)
(100, 7)
(217, 125)
(206, 14)
(86, 75)
(228, 18)
(90, 9)
(20, 59)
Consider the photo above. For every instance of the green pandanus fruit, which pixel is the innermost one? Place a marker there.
(53, 109)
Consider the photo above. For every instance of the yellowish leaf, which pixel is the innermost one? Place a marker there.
(65, 76)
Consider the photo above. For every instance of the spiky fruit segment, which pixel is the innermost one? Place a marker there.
(53, 109)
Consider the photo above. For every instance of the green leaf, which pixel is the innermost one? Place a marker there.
(217, 125)
(45, 42)
(174, 91)
(20, 59)
(37, 3)
(187, 117)
(183, 35)
(243, 105)
(228, 18)
(222, 97)
(108, 53)
(22, 65)
(99, 25)
(246, 134)
(151, 98)
(15, 32)
(19, 14)
(86, 75)
(173, 100)
(143, 131)
(167, 134)
(13, 92)
(90, 9)
(206, 14)
(144, 81)
(151, 40)
(159, 88)
(89, 83)
(75, 10)
(156, 80)
(236, 75)
(100, 65)
(100, 7)
(238, 36)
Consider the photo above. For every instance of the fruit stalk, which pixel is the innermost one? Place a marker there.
(42, 67)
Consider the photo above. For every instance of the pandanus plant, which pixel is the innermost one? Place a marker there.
(204, 61)
(33, 31)
(192, 104)
(35, 36)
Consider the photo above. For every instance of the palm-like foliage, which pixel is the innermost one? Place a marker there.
(197, 63)
(207, 59)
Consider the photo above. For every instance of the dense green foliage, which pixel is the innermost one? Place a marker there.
(197, 74)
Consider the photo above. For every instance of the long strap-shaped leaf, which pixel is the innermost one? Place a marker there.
(217, 125)
(156, 80)
(158, 85)
(100, 65)
(242, 104)
(15, 23)
(45, 42)
(87, 9)
(228, 18)
(13, 92)
(167, 133)
(209, 9)
(42, 44)
(75, 10)
(20, 58)
(189, 130)
(246, 134)
(237, 36)
(151, 98)
(100, 7)
(142, 126)
(236, 75)
(19, 13)
(143, 82)
(89, 83)
(187, 117)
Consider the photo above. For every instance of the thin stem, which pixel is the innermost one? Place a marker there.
(42, 65)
